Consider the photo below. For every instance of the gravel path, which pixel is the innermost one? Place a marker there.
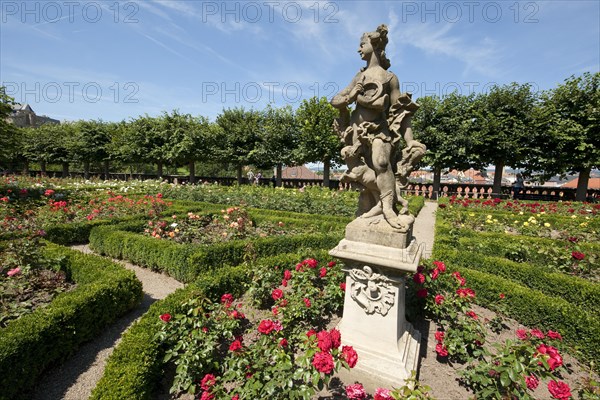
(77, 377)
(424, 227)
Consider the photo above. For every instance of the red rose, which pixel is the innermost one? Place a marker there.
(323, 272)
(350, 356)
(439, 336)
(435, 273)
(236, 397)
(166, 317)
(207, 396)
(277, 294)
(440, 265)
(331, 264)
(306, 302)
(419, 278)
(287, 275)
(573, 239)
(310, 333)
(266, 326)
(522, 334)
(466, 292)
(343, 286)
(275, 310)
(537, 333)
(422, 293)
(208, 382)
(559, 390)
(441, 350)
(323, 362)
(442, 205)
(283, 342)
(311, 262)
(578, 255)
(356, 392)
(502, 295)
(532, 382)
(284, 283)
(439, 299)
(235, 346)
(472, 314)
(554, 335)
(336, 338)
(552, 356)
(324, 339)
(227, 298)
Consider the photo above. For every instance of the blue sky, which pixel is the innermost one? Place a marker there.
(116, 60)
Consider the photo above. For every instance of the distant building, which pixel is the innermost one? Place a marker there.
(299, 172)
(593, 183)
(22, 115)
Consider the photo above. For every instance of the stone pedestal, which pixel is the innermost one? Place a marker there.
(374, 306)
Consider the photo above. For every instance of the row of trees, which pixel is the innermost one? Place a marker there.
(269, 138)
(548, 133)
(552, 132)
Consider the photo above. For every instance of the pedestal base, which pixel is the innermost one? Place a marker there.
(389, 370)
(377, 259)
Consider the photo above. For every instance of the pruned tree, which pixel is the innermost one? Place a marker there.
(445, 126)
(240, 137)
(568, 130)
(318, 141)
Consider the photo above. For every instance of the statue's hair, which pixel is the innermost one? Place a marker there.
(379, 39)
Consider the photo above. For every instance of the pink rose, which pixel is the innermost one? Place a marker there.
(532, 382)
(440, 265)
(559, 390)
(537, 333)
(208, 382)
(554, 335)
(382, 394)
(522, 334)
(14, 271)
(441, 350)
(439, 299)
(306, 302)
(356, 392)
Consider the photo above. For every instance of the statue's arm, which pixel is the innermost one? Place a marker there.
(349, 94)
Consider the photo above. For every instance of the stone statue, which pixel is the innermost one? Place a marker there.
(372, 134)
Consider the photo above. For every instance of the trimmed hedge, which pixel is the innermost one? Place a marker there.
(580, 330)
(577, 291)
(185, 262)
(51, 334)
(72, 233)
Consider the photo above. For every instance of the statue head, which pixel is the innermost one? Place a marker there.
(377, 40)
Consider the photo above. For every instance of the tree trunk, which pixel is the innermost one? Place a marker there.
(25, 167)
(86, 170)
(582, 184)
(192, 167)
(239, 175)
(437, 178)
(278, 175)
(65, 169)
(106, 173)
(499, 169)
(326, 167)
(159, 169)
(43, 167)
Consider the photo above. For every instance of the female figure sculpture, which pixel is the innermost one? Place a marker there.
(373, 131)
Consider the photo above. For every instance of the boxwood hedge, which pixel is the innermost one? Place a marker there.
(51, 334)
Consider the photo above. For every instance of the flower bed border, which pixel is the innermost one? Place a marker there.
(49, 335)
(185, 262)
